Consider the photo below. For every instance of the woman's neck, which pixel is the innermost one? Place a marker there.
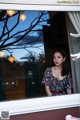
(57, 67)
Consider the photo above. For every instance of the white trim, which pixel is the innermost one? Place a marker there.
(45, 2)
(40, 104)
(49, 5)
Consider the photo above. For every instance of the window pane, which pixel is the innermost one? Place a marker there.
(21, 53)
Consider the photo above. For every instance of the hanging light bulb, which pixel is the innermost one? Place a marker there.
(10, 12)
(2, 53)
(11, 59)
(22, 17)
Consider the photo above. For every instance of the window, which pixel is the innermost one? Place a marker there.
(29, 7)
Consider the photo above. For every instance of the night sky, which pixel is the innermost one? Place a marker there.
(36, 47)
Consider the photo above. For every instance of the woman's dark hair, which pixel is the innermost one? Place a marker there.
(65, 65)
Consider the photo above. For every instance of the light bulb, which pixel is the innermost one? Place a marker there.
(2, 53)
(11, 59)
(22, 17)
(10, 12)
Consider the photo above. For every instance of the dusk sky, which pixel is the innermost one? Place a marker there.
(36, 47)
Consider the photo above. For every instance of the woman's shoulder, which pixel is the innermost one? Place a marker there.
(48, 68)
(68, 75)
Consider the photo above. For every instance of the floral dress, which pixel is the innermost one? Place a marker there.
(56, 86)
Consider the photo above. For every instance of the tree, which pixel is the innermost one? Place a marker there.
(14, 40)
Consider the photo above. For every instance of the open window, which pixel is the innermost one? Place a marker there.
(24, 62)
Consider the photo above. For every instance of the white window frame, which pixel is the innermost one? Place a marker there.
(49, 5)
(44, 103)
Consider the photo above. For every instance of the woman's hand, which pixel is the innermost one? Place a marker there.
(48, 90)
(69, 91)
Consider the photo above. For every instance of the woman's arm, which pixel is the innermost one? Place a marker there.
(48, 90)
(69, 84)
(69, 91)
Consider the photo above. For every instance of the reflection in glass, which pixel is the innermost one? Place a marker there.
(21, 41)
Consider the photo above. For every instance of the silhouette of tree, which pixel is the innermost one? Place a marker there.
(31, 58)
(13, 40)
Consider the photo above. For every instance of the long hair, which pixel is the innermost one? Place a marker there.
(65, 64)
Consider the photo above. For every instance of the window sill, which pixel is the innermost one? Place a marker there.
(40, 104)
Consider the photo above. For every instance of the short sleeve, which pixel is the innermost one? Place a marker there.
(46, 77)
(68, 81)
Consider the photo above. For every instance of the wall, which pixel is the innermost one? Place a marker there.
(49, 115)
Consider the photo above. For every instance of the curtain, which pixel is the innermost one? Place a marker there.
(73, 29)
(75, 19)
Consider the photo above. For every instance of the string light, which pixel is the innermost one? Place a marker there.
(2, 53)
(10, 12)
(22, 17)
(11, 59)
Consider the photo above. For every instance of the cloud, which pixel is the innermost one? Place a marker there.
(34, 39)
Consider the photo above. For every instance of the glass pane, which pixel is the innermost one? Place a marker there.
(27, 42)
(21, 53)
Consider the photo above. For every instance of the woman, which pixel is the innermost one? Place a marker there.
(57, 78)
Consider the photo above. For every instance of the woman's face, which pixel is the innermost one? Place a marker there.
(58, 58)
